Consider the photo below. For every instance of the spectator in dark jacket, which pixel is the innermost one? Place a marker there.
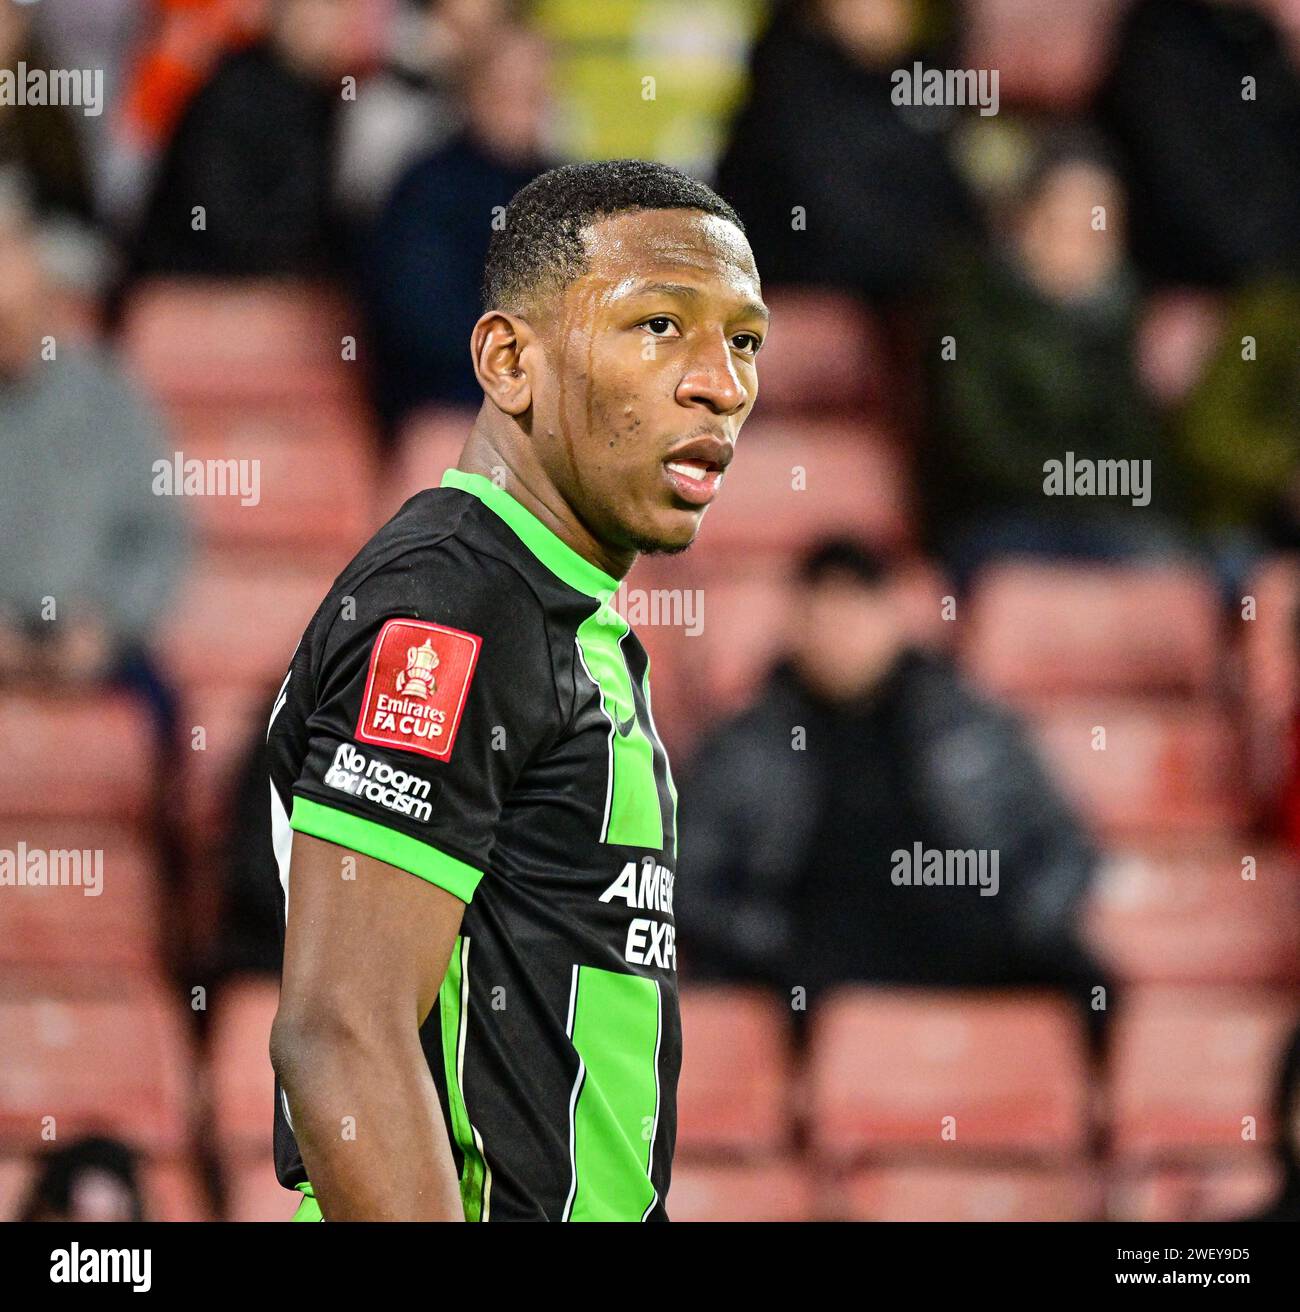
(838, 186)
(425, 254)
(1203, 100)
(802, 817)
(245, 187)
(1033, 378)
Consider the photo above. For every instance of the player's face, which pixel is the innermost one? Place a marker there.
(651, 375)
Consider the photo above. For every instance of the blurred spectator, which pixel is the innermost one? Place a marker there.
(1041, 368)
(41, 140)
(1203, 99)
(413, 104)
(858, 748)
(1240, 427)
(424, 262)
(91, 1179)
(248, 935)
(255, 150)
(645, 79)
(177, 45)
(79, 446)
(1286, 1144)
(819, 134)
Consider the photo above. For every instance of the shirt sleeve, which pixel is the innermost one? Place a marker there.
(433, 686)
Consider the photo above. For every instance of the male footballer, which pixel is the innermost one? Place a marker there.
(474, 818)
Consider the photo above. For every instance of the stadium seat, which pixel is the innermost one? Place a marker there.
(238, 621)
(734, 1090)
(1271, 656)
(254, 1194)
(1191, 1193)
(62, 928)
(746, 623)
(776, 1191)
(1187, 916)
(243, 1084)
(942, 1193)
(429, 444)
(1164, 770)
(795, 480)
(823, 351)
(93, 1063)
(193, 339)
(313, 492)
(15, 1180)
(173, 1191)
(1037, 629)
(1189, 1064)
(889, 1067)
(229, 718)
(82, 755)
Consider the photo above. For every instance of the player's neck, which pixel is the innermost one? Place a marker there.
(527, 482)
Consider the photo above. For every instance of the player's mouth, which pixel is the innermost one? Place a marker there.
(694, 471)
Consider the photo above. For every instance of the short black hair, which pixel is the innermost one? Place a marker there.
(540, 243)
(845, 555)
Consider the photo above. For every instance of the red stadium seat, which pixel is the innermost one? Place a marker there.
(173, 1191)
(823, 351)
(1047, 629)
(1190, 1193)
(777, 1191)
(61, 927)
(238, 621)
(229, 718)
(194, 339)
(1189, 917)
(1271, 652)
(944, 1193)
(1190, 1064)
(734, 1089)
(82, 1063)
(1165, 769)
(890, 1066)
(795, 480)
(243, 1084)
(254, 1194)
(429, 444)
(313, 491)
(81, 755)
(746, 622)
(15, 1180)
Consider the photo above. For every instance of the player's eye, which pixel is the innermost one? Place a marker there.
(659, 325)
(747, 342)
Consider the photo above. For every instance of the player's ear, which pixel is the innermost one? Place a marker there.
(497, 346)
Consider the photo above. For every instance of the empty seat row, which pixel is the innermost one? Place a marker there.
(891, 1069)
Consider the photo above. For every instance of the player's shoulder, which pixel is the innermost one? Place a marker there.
(436, 561)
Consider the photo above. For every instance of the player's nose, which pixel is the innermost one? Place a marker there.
(711, 380)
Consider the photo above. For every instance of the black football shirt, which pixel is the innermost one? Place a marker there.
(468, 706)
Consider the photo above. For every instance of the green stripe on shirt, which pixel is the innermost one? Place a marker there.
(384, 844)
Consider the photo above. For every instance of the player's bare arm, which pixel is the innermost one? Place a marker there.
(366, 949)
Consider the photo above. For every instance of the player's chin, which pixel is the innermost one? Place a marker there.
(667, 530)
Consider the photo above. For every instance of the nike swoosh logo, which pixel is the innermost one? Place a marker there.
(625, 727)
